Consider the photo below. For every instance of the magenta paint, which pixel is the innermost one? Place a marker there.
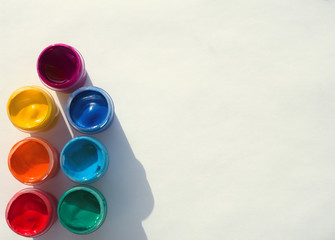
(61, 68)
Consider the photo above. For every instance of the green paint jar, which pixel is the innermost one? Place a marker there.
(82, 209)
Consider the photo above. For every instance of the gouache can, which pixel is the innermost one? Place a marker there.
(61, 68)
(33, 161)
(82, 209)
(84, 159)
(90, 110)
(32, 109)
(31, 212)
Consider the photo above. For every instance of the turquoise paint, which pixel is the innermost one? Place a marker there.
(84, 159)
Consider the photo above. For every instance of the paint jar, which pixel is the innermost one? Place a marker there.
(61, 68)
(82, 209)
(31, 212)
(84, 159)
(33, 161)
(32, 109)
(90, 110)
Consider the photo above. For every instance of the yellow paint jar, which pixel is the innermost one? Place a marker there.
(32, 109)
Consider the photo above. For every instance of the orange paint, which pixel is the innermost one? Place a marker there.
(32, 161)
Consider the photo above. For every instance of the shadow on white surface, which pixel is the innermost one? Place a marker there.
(88, 81)
(125, 186)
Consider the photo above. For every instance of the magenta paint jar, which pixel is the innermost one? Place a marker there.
(61, 68)
(31, 212)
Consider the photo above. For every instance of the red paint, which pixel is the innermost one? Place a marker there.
(31, 212)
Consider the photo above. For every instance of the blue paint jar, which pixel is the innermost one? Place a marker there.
(90, 110)
(84, 159)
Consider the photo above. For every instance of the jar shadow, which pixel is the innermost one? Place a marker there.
(125, 187)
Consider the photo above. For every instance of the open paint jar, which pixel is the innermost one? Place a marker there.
(90, 110)
(31, 212)
(33, 161)
(61, 68)
(84, 159)
(82, 209)
(32, 109)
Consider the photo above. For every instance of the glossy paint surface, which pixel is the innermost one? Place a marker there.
(82, 209)
(84, 159)
(61, 68)
(28, 214)
(32, 160)
(31, 108)
(90, 110)
(31, 212)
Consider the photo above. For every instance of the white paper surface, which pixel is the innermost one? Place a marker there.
(225, 113)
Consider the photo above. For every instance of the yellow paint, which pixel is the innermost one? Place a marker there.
(31, 109)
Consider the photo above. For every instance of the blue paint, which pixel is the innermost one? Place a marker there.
(84, 159)
(90, 110)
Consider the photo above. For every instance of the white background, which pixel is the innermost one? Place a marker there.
(225, 113)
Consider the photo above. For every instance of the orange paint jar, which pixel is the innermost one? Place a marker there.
(33, 161)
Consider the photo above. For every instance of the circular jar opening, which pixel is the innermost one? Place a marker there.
(84, 159)
(90, 110)
(32, 161)
(82, 210)
(30, 108)
(58, 64)
(30, 213)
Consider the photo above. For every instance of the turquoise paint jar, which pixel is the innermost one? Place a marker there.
(84, 159)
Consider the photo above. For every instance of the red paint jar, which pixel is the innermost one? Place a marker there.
(31, 212)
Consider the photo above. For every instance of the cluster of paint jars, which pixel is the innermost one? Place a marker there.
(84, 159)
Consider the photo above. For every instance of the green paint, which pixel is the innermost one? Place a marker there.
(80, 211)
